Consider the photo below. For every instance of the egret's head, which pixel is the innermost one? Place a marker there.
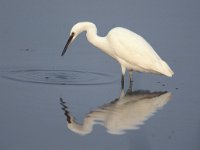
(75, 31)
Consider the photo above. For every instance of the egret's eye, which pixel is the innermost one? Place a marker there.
(72, 34)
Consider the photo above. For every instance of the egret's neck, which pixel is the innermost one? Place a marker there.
(97, 41)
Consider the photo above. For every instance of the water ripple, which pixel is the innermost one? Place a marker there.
(58, 77)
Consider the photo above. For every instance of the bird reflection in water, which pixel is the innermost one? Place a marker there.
(127, 112)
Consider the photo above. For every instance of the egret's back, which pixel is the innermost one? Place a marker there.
(132, 50)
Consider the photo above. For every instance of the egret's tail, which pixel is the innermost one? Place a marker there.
(166, 70)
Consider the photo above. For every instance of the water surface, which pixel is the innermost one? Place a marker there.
(53, 102)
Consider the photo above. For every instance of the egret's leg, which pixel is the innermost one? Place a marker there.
(123, 74)
(131, 81)
(131, 76)
(122, 94)
(130, 88)
(122, 82)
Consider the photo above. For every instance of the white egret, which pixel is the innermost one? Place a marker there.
(132, 51)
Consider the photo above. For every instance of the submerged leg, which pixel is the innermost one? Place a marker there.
(131, 76)
(131, 80)
(122, 94)
(123, 74)
(129, 91)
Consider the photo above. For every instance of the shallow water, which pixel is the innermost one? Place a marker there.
(53, 102)
(50, 109)
(34, 113)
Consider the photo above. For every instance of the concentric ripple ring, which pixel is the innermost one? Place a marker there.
(57, 77)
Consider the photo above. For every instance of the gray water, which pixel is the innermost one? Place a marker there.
(75, 102)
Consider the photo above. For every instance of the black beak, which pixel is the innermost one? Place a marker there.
(67, 44)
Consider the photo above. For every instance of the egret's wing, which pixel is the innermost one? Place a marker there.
(132, 48)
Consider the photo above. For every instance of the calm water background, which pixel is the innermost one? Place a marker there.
(34, 76)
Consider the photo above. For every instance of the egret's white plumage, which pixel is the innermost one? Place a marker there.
(131, 50)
